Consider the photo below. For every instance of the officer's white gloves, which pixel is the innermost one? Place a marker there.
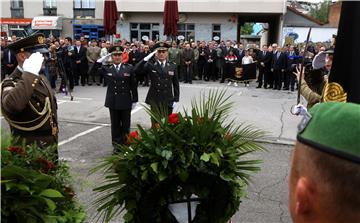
(148, 57)
(33, 64)
(133, 105)
(174, 104)
(102, 59)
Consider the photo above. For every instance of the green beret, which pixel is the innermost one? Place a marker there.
(34, 43)
(334, 128)
(116, 50)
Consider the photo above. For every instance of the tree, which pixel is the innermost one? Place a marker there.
(247, 29)
(321, 11)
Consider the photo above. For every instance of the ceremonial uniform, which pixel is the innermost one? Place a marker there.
(27, 100)
(121, 94)
(164, 89)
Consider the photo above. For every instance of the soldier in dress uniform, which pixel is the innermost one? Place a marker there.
(121, 95)
(27, 100)
(164, 90)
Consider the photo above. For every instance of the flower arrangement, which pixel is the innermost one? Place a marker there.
(35, 187)
(200, 154)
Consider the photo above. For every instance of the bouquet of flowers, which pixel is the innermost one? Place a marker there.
(191, 154)
(35, 187)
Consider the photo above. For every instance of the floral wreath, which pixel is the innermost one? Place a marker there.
(184, 154)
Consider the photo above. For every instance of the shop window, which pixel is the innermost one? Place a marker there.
(17, 8)
(216, 31)
(187, 30)
(84, 8)
(138, 30)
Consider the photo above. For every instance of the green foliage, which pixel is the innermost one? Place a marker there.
(203, 153)
(321, 11)
(247, 28)
(35, 186)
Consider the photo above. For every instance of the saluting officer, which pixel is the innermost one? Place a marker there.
(164, 89)
(121, 95)
(27, 100)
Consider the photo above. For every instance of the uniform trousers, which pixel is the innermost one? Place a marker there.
(120, 125)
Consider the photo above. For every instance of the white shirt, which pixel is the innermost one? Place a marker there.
(247, 60)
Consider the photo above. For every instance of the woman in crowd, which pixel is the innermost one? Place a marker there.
(247, 59)
(230, 64)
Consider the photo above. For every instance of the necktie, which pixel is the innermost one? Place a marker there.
(263, 53)
(9, 56)
(163, 65)
(117, 67)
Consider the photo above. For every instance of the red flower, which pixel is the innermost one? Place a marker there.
(133, 135)
(174, 118)
(46, 165)
(156, 125)
(16, 149)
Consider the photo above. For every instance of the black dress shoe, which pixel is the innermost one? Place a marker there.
(258, 87)
(265, 87)
(292, 89)
(286, 89)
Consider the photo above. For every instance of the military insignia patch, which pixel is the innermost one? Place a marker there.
(171, 73)
(117, 49)
(161, 44)
(109, 74)
(126, 75)
(41, 40)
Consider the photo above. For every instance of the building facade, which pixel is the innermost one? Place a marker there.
(198, 20)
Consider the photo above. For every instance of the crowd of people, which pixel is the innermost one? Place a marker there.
(197, 60)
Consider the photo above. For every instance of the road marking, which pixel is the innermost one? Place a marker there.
(59, 101)
(137, 108)
(80, 134)
(87, 99)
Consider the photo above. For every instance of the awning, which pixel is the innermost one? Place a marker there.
(46, 22)
(14, 21)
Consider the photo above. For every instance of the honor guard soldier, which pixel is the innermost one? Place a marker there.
(325, 174)
(121, 95)
(164, 89)
(27, 100)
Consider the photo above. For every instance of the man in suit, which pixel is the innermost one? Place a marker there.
(289, 80)
(80, 63)
(202, 61)
(187, 58)
(211, 55)
(121, 95)
(9, 62)
(28, 103)
(164, 90)
(278, 67)
(134, 55)
(264, 63)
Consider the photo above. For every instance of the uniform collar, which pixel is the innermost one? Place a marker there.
(20, 68)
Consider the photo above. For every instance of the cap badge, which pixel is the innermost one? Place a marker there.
(41, 40)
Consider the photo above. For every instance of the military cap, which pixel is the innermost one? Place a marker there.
(334, 128)
(161, 46)
(116, 50)
(34, 43)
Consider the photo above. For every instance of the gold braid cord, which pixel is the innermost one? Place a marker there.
(45, 113)
(334, 92)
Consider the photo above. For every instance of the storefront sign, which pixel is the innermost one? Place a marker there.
(47, 22)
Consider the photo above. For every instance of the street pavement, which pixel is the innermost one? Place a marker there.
(84, 139)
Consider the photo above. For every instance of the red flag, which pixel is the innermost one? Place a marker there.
(171, 17)
(110, 17)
